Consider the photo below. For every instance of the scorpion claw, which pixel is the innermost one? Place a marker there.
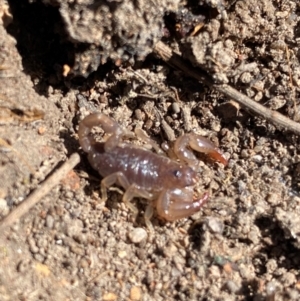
(179, 203)
(199, 144)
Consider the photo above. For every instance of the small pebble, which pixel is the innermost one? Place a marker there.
(139, 114)
(4, 209)
(42, 269)
(137, 235)
(41, 130)
(32, 246)
(215, 225)
(74, 227)
(83, 263)
(141, 253)
(273, 198)
(77, 250)
(135, 293)
(109, 297)
(293, 294)
(257, 158)
(270, 288)
(175, 107)
(49, 221)
(122, 254)
(232, 286)
(38, 257)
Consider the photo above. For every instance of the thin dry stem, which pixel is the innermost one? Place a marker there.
(40, 192)
(176, 61)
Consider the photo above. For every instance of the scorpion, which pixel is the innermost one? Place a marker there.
(166, 183)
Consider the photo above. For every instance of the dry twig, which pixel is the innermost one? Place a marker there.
(40, 192)
(176, 61)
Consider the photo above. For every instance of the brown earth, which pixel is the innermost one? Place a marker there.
(61, 60)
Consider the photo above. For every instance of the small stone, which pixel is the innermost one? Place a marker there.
(175, 107)
(175, 273)
(109, 297)
(141, 253)
(271, 266)
(135, 293)
(71, 181)
(39, 257)
(170, 250)
(232, 286)
(288, 279)
(292, 294)
(32, 246)
(77, 250)
(257, 158)
(273, 199)
(41, 130)
(122, 254)
(42, 269)
(139, 114)
(74, 227)
(271, 288)
(83, 263)
(49, 221)
(215, 225)
(137, 235)
(4, 209)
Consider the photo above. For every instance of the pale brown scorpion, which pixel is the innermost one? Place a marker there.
(167, 183)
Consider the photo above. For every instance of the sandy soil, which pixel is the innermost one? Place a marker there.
(62, 60)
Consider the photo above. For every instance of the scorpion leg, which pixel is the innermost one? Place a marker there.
(147, 216)
(135, 191)
(178, 203)
(143, 136)
(117, 177)
(199, 144)
(131, 192)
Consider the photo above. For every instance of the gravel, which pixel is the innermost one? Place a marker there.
(62, 60)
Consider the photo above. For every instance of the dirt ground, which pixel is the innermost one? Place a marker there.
(62, 60)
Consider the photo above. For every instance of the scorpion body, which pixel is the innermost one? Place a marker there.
(142, 167)
(167, 183)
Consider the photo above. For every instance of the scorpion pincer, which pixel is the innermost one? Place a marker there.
(167, 183)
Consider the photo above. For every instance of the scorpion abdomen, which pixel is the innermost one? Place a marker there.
(140, 166)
